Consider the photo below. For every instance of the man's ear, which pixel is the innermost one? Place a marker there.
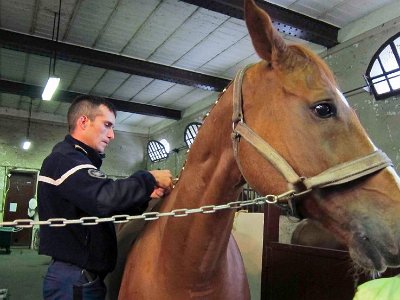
(83, 122)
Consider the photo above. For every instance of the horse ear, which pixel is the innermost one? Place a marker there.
(267, 42)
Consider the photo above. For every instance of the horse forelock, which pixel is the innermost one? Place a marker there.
(300, 56)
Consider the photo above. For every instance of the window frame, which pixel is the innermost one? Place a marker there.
(160, 147)
(198, 124)
(385, 75)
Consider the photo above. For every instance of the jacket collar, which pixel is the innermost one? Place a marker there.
(95, 157)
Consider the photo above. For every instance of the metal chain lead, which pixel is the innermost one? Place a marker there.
(150, 216)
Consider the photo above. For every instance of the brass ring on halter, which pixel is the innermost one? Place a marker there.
(271, 199)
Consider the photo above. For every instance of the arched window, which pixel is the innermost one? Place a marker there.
(166, 144)
(191, 131)
(156, 151)
(383, 72)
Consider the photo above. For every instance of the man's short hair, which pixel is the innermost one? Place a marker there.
(86, 105)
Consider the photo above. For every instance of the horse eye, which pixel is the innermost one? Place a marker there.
(324, 110)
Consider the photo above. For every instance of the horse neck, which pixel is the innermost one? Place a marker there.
(210, 177)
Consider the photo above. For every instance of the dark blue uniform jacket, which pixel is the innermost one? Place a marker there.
(71, 186)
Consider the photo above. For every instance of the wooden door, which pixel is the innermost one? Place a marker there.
(22, 187)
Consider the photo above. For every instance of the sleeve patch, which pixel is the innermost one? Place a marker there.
(97, 173)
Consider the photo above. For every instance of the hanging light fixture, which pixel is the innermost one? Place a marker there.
(50, 88)
(27, 143)
(53, 80)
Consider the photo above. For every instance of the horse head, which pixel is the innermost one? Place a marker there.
(291, 100)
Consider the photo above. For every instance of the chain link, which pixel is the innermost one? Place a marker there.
(150, 216)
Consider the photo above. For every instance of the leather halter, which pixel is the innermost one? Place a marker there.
(339, 174)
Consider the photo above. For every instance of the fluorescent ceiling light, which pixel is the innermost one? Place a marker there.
(50, 88)
(26, 145)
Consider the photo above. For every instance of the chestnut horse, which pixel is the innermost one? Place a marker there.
(290, 100)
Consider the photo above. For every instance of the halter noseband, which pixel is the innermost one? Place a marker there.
(339, 174)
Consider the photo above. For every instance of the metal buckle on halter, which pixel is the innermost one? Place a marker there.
(236, 121)
(287, 201)
(290, 208)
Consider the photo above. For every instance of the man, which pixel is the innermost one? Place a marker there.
(71, 186)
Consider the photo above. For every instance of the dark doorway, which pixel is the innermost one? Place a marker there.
(21, 188)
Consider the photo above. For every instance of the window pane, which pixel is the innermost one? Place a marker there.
(376, 69)
(156, 151)
(379, 79)
(394, 80)
(191, 132)
(388, 59)
(383, 72)
(381, 85)
(166, 144)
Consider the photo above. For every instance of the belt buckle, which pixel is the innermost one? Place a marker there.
(90, 277)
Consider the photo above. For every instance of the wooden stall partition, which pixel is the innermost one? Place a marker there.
(294, 272)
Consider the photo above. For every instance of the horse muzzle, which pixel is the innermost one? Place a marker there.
(373, 254)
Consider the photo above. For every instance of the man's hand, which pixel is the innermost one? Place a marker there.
(163, 183)
(158, 193)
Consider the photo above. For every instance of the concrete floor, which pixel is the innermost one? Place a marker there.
(22, 272)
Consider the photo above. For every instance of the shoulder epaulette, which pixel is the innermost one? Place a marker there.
(79, 148)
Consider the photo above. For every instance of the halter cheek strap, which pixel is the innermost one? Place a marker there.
(336, 175)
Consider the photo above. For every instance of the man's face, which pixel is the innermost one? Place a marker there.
(100, 131)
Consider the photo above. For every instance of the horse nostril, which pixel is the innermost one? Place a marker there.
(365, 238)
(362, 236)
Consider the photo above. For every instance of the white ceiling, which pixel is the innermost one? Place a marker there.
(171, 33)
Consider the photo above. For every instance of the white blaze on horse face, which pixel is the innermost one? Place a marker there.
(342, 97)
(395, 175)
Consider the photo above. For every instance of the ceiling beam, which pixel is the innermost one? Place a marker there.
(284, 20)
(68, 52)
(35, 92)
